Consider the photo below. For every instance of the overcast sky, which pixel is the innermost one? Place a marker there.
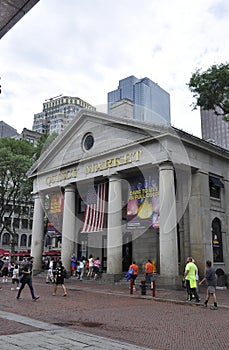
(84, 47)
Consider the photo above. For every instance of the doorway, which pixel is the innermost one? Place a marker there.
(126, 252)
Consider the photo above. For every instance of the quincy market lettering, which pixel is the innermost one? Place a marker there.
(114, 162)
(95, 167)
(65, 175)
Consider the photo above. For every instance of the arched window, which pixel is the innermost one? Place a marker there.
(217, 244)
(23, 240)
(6, 239)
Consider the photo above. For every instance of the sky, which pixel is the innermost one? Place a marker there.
(84, 47)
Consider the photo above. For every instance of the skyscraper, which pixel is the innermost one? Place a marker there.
(6, 130)
(151, 103)
(214, 128)
(57, 113)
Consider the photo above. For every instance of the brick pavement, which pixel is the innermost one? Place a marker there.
(110, 311)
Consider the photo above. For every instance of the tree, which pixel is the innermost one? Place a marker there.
(16, 157)
(211, 89)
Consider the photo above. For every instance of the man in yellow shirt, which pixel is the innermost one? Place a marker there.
(190, 279)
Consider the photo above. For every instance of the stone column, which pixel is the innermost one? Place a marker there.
(38, 232)
(168, 222)
(114, 230)
(200, 220)
(68, 231)
(225, 227)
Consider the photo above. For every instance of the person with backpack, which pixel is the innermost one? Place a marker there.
(134, 269)
(59, 276)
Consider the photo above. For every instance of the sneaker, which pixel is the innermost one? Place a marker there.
(34, 299)
(213, 307)
(64, 295)
(17, 287)
(18, 298)
(198, 300)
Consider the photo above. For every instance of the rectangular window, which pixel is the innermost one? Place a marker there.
(24, 224)
(16, 223)
(215, 185)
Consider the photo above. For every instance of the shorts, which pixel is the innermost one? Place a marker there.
(73, 267)
(211, 289)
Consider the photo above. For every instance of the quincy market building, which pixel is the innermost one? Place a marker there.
(125, 190)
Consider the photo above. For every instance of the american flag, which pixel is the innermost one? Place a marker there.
(95, 209)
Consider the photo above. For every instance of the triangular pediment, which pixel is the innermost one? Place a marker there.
(110, 134)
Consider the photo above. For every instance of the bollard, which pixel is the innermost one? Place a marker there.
(143, 287)
(131, 285)
(153, 287)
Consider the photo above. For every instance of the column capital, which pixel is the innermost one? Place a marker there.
(38, 195)
(70, 188)
(166, 165)
(114, 177)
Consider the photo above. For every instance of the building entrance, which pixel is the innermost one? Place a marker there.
(126, 252)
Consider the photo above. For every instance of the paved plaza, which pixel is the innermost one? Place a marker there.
(95, 315)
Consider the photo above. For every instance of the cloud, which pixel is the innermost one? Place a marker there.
(83, 48)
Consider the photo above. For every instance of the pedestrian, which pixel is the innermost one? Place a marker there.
(90, 266)
(210, 278)
(73, 265)
(96, 268)
(81, 268)
(190, 279)
(149, 273)
(197, 277)
(15, 277)
(134, 275)
(5, 271)
(26, 278)
(49, 277)
(60, 274)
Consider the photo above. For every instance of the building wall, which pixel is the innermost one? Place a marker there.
(188, 164)
(214, 129)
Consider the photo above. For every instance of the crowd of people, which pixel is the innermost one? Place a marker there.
(21, 275)
(149, 270)
(89, 268)
(191, 279)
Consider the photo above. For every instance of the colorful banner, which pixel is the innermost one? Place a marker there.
(55, 212)
(143, 202)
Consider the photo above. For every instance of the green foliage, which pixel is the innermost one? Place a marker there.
(211, 89)
(16, 157)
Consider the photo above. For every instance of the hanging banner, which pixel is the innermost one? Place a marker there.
(143, 202)
(55, 212)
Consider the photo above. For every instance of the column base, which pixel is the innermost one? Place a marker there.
(112, 278)
(168, 282)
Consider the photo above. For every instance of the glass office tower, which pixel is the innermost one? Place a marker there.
(151, 102)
